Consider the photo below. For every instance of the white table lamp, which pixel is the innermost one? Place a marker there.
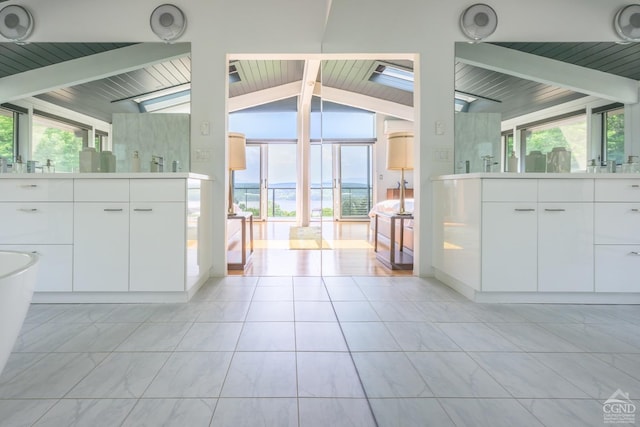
(400, 157)
(237, 161)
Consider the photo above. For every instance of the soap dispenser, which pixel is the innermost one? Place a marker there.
(135, 162)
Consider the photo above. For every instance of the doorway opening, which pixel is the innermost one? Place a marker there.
(316, 130)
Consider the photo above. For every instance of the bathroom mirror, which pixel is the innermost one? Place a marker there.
(541, 107)
(119, 97)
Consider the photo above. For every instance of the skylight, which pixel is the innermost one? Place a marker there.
(234, 75)
(463, 101)
(393, 76)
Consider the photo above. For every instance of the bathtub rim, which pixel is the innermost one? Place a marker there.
(32, 261)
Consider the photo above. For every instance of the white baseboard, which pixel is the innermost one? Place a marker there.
(537, 297)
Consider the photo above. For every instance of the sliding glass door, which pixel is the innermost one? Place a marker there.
(355, 180)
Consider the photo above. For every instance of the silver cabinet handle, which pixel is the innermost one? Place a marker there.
(28, 210)
(635, 185)
(634, 253)
(555, 210)
(635, 210)
(525, 210)
(143, 210)
(29, 185)
(113, 210)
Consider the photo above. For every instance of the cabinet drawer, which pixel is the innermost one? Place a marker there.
(157, 190)
(565, 190)
(509, 190)
(31, 223)
(36, 190)
(617, 223)
(54, 266)
(101, 190)
(617, 190)
(617, 268)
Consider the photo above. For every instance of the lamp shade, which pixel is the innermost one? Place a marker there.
(237, 154)
(400, 151)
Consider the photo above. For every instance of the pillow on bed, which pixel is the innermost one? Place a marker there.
(391, 206)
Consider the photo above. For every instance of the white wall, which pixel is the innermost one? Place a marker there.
(428, 28)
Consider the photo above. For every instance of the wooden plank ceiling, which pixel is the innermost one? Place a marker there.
(511, 96)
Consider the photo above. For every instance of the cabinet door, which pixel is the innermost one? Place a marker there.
(617, 268)
(565, 247)
(101, 247)
(509, 247)
(157, 244)
(54, 266)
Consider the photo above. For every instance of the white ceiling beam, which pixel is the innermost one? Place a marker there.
(549, 71)
(265, 96)
(309, 77)
(365, 102)
(339, 96)
(89, 68)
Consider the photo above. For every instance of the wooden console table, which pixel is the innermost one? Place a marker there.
(243, 217)
(395, 259)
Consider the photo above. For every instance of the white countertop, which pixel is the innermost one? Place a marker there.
(508, 175)
(118, 175)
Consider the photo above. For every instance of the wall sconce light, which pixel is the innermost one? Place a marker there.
(627, 23)
(168, 22)
(478, 22)
(16, 23)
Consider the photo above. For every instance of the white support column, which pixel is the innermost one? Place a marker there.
(303, 189)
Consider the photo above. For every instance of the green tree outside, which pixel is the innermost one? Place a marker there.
(61, 146)
(6, 136)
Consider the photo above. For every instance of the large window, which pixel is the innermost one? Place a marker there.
(613, 135)
(58, 141)
(7, 134)
(540, 139)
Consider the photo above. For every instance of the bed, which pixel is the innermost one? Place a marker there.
(390, 207)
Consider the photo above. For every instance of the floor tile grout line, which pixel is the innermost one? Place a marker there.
(364, 390)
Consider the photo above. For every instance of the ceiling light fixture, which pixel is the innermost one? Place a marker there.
(16, 23)
(627, 23)
(478, 22)
(168, 22)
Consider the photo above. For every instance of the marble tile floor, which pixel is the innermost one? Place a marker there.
(311, 351)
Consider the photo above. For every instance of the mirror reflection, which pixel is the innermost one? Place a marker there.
(544, 107)
(316, 150)
(108, 100)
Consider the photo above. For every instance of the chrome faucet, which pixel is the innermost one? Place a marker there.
(487, 163)
(157, 163)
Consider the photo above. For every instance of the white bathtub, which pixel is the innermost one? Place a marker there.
(17, 277)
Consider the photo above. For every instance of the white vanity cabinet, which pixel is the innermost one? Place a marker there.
(110, 237)
(617, 236)
(37, 216)
(561, 238)
(101, 235)
(157, 239)
(537, 235)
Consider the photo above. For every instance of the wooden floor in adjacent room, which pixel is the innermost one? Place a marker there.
(347, 250)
